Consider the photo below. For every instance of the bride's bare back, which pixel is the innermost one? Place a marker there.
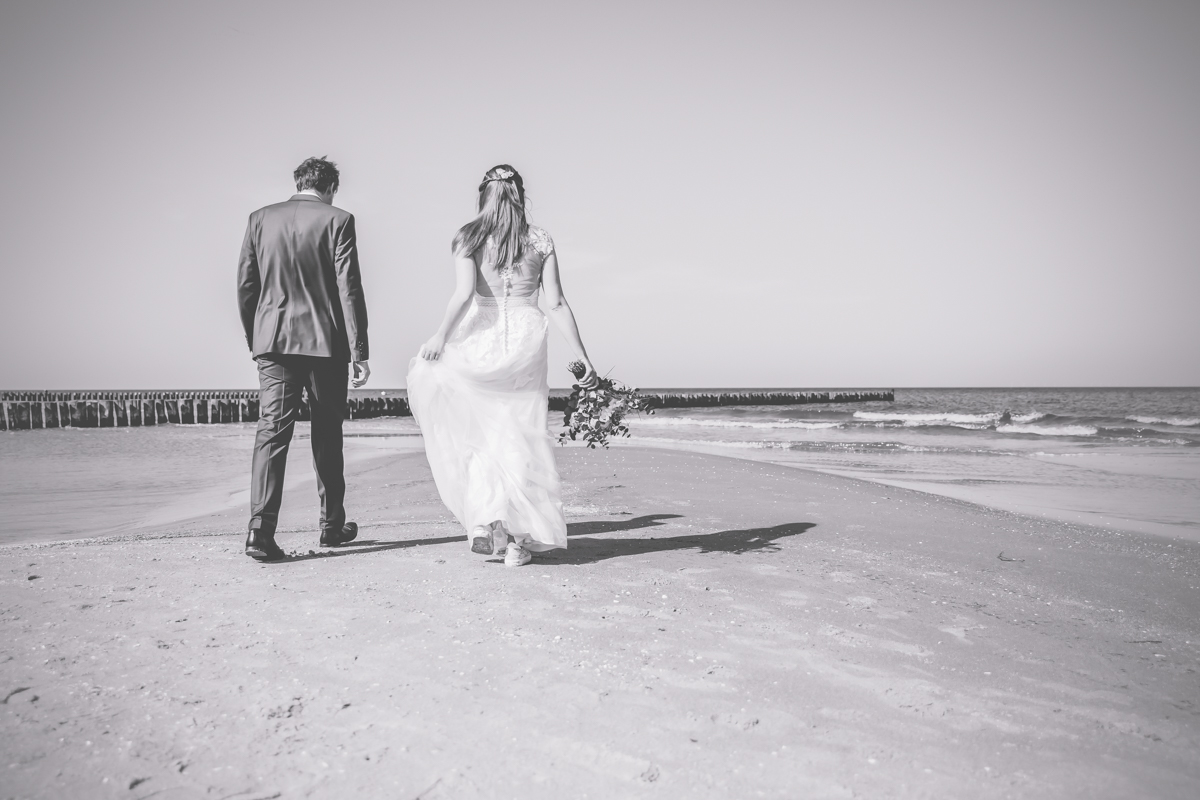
(526, 274)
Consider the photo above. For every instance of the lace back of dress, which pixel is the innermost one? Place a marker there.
(541, 243)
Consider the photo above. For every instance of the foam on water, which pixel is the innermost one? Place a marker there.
(737, 423)
(1049, 430)
(755, 445)
(1176, 421)
(927, 419)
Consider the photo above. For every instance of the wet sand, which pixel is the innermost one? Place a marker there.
(718, 628)
(76, 483)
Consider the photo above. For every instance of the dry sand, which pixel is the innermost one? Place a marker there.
(718, 628)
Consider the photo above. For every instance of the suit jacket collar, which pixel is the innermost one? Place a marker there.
(305, 197)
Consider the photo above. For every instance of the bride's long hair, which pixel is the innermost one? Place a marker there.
(501, 217)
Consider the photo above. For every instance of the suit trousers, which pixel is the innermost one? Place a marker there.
(282, 378)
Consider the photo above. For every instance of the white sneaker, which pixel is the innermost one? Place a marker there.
(481, 540)
(488, 539)
(517, 556)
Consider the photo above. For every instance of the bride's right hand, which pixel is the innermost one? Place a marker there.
(432, 350)
(589, 379)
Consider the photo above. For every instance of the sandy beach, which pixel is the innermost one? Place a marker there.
(717, 628)
(888, 309)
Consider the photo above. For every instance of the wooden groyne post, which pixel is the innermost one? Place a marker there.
(119, 409)
(702, 399)
(707, 399)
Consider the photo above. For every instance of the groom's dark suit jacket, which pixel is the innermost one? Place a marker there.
(299, 290)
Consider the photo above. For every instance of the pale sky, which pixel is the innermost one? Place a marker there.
(742, 194)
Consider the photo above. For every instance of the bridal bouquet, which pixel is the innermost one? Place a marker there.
(598, 414)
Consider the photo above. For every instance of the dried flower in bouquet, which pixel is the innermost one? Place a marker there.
(597, 415)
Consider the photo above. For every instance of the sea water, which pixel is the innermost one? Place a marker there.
(1120, 458)
(1126, 459)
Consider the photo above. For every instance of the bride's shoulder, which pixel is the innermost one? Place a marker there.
(541, 240)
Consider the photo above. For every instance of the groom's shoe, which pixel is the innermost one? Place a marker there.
(332, 538)
(261, 547)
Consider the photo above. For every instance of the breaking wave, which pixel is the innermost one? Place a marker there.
(1181, 422)
(1049, 430)
(970, 421)
(927, 419)
(713, 443)
(735, 423)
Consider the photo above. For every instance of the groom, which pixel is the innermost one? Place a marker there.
(302, 306)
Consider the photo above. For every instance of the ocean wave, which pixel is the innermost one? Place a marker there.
(1146, 440)
(1049, 430)
(734, 423)
(1182, 422)
(821, 446)
(714, 443)
(1148, 434)
(926, 419)
(867, 447)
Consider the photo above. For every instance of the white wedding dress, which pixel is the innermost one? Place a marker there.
(482, 407)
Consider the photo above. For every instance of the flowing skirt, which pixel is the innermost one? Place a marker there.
(482, 409)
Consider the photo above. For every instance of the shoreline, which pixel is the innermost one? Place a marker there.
(718, 627)
(169, 477)
(1120, 458)
(1007, 502)
(225, 485)
(201, 522)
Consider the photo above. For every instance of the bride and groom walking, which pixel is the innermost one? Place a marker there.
(478, 388)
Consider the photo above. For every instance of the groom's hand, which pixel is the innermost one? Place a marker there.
(361, 373)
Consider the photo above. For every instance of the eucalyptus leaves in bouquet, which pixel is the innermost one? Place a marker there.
(597, 414)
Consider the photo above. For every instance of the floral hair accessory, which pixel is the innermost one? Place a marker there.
(501, 175)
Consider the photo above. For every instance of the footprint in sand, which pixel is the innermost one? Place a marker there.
(959, 631)
(794, 599)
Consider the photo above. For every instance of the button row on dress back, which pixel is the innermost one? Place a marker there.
(506, 274)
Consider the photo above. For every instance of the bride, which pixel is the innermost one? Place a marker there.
(478, 387)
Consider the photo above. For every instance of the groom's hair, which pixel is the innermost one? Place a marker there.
(316, 173)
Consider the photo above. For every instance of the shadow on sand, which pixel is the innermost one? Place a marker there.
(591, 550)
(737, 542)
(363, 546)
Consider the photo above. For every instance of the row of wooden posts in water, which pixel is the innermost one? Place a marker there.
(705, 399)
(28, 410)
